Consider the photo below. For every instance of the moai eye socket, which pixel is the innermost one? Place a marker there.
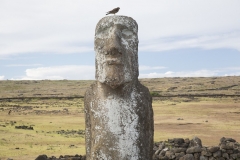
(102, 33)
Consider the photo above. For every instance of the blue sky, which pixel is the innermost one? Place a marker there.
(53, 39)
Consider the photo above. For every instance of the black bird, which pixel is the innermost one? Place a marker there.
(115, 10)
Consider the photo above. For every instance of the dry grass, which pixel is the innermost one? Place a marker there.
(47, 117)
(209, 118)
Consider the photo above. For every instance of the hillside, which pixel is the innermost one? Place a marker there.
(200, 86)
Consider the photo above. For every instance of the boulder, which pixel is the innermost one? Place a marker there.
(196, 149)
(213, 149)
(217, 154)
(187, 157)
(195, 142)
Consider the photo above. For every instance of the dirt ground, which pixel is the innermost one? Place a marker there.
(58, 125)
(47, 116)
(207, 118)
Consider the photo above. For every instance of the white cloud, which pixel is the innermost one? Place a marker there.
(86, 72)
(60, 26)
(1, 77)
(69, 72)
(198, 73)
(74, 72)
(226, 40)
(146, 68)
(230, 71)
(22, 65)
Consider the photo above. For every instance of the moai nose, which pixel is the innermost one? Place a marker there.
(114, 43)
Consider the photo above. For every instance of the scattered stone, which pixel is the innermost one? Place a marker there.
(203, 153)
(197, 155)
(206, 152)
(178, 140)
(195, 149)
(214, 149)
(42, 157)
(203, 158)
(179, 155)
(217, 154)
(24, 127)
(187, 157)
(195, 142)
(166, 150)
(180, 119)
(223, 139)
(211, 158)
(187, 140)
(233, 156)
(170, 155)
(225, 155)
(178, 150)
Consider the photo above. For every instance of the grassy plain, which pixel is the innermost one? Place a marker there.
(184, 107)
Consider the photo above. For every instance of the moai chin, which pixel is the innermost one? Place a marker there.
(118, 109)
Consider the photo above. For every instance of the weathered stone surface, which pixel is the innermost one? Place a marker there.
(163, 158)
(161, 146)
(179, 155)
(213, 149)
(233, 156)
(163, 152)
(178, 140)
(229, 145)
(184, 145)
(238, 155)
(217, 154)
(196, 156)
(225, 155)
(170, 155)
(195, 142)
(187, 140)
(223, 139)
(206, 152)
(118, 109)
(42, 157)
(195, 149)
(211, 158)
(178, 150)
(187, 157)
(203, 158)
(157, 152)
(229, 151)
(236, 150)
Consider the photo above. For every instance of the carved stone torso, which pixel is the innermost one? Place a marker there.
(118, 125)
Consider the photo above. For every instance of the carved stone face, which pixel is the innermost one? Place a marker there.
(116, 47)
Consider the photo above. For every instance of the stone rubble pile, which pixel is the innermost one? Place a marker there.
(181, 149)
(185, 149)
(66, 157)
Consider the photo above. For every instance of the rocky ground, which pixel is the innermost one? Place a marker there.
(181, 149)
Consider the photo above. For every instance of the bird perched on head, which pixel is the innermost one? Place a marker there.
(115, 10)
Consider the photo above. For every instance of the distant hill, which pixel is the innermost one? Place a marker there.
(192, 86)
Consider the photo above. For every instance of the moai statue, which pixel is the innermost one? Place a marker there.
(118, 109)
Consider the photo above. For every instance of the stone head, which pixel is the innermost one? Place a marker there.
(116, 48)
